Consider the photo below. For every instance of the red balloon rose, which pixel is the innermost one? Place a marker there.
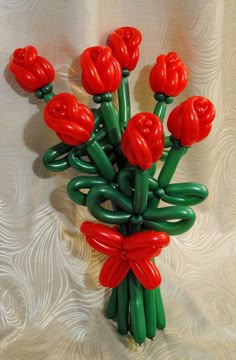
(142, 142)
(124, 43)
(169, 75)
(31, 71)
(73, 122)
(191, 121)
(101, 72)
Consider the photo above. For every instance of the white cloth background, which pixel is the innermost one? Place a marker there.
(51, 304)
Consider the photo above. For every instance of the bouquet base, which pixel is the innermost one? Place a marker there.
(136, 309)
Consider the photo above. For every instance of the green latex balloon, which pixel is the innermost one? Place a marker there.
(173, 220)
(137, 312)
(150, 312)
(75, 187)
(189, 194)
(111, 310)
(140, 191)
(125, 179)
(99, 162)
(123, 306)
(76, 161)
(124, 103)
(160, 313)
(57, 157)
(134, 183)
(102, 193)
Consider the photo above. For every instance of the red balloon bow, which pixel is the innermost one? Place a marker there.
(133, 252)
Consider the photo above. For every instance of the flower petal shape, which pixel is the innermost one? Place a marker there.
(73, 122)
(31, 71)
(191, 121)
(142, 142)
(124, 43)
(101, 72)
(169, 75)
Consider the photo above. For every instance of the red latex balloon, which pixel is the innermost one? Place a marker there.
(191, 121)
(73, 122)
(142, 142)
(124, 43)
(31, 71)
(169, 75)
(101, 72)
(136, 245)
(147, 273)
(113, 271)
(132, 252)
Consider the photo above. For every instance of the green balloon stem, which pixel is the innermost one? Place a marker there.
(140, 190)
(150, 312)
(111, 310)
(170, 165)
(123, 306)
(101, 160)
(160, 110)
(160, 312)
(168, 142)
(137, 312)
(164, 155)
(110, 118)
(124, 103)
(48, 97)
(97, 119)
(134, 228)
(153, 203)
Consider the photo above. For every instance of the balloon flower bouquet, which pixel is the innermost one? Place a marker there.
(115, 154)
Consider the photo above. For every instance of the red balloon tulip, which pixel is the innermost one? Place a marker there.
(31, 71)
(73, 122)
(191, 121)
(101, 72)
(169, 75)
(132, 252)
(124, 43)
(142, 142)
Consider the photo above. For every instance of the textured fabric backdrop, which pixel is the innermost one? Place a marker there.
(51, 304)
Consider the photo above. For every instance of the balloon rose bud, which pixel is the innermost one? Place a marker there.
(169, 75)
(142, 142)
(101, 72)
(191, 121)
(73, 122)
(124, 43)
(31, 71)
